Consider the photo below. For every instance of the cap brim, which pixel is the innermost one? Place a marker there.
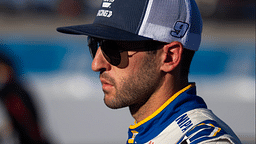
(102, 31)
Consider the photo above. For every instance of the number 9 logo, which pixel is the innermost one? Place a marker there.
(180, 28)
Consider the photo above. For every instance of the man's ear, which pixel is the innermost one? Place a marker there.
(171, 56)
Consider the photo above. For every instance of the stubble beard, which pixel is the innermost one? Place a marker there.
(135, 89)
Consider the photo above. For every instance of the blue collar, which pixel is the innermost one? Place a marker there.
(181, 102)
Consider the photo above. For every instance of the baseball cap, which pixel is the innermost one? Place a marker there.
(137, 20)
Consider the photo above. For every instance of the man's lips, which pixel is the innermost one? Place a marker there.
(106, 84)
(104, 81)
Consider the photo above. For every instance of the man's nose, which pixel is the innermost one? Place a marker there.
(99, 62)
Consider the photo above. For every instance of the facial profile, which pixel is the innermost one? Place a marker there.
(130, 85)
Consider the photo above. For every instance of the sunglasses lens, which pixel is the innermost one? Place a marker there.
(109, 50)
(93, 46)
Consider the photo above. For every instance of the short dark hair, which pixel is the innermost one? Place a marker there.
(186, 59)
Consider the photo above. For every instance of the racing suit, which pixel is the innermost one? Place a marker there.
(183, 119)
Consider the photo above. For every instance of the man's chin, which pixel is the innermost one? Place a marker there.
(112, 103)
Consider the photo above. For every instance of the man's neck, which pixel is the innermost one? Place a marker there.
(157, 99)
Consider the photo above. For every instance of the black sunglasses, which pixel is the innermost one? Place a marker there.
(112, 49)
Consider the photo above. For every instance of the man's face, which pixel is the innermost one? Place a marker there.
(131, 83)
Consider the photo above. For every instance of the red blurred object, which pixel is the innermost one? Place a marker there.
(70, 8)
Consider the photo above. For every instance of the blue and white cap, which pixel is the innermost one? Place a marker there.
(136, 20)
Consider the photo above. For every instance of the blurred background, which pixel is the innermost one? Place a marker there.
(55, 67)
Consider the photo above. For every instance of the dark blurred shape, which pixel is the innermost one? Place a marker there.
(39, 8)
(19, 102)
(227, 9)
(7, 133)
(7, 7)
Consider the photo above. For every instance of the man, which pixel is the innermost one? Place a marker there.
(143, 51)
